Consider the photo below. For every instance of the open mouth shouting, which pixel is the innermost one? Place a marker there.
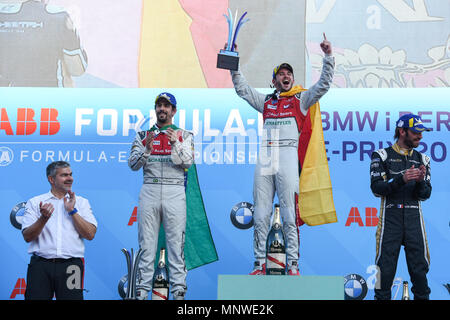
(285, 84)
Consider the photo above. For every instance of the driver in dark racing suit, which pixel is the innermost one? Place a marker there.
(400, 175)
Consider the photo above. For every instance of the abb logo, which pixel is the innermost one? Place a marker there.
(26, 124)
(133, 217)
(355, 217)
(19, 288)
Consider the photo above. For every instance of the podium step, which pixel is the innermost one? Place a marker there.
(246, 287)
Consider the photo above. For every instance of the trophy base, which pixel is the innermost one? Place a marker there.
(228, 60)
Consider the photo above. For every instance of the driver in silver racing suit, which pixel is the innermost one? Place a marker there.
(277, 168)
(164, 152)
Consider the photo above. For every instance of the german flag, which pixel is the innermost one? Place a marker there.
(315, 200)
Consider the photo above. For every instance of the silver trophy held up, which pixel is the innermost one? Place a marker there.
(228, 58)
(132, 270)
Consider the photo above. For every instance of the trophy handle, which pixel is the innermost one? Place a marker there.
(136, 260)
(129, 262)
(127, 257)
(131, 283)
(228, 58)
(239, 25)
(229, 18)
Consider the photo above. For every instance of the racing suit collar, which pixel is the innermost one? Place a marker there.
(294, 90)
(156, 127)
(401, 150)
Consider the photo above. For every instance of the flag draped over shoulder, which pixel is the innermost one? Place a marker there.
(199, 248)
(315, 201)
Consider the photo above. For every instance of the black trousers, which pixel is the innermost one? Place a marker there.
(59, 278)
(405, 227)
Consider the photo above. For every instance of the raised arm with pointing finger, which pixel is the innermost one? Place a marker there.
(285, 81)
(285, 113)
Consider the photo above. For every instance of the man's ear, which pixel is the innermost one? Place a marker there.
(403, 131)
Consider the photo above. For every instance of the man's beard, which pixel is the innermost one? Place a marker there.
(410, 142)
(164, 119)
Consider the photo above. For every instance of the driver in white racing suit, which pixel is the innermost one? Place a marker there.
(278, 165)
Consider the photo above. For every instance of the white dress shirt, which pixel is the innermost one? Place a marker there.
(59, 238)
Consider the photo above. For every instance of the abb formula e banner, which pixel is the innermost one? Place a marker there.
(93, 130)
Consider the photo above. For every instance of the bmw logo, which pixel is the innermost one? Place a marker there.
(242, 215)
(16, 215)
(355, 287)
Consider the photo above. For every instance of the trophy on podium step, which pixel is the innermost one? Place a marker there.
(132, 271)
(228, 58)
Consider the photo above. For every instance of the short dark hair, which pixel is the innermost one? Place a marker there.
(284, 65)
(168, 102)
(169, 97)
(397, 132)
(51, 168)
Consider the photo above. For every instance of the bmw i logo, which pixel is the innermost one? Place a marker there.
(16, 215)
(242, 215)
(355, 287)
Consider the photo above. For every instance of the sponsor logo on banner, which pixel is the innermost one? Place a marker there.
(6, 156)
(26, 123)
(72, 155)
(133, 217)
(234, 143)
(371, 218)
(355, 287)
(16, 215)
(242, 215)
(19, 288)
